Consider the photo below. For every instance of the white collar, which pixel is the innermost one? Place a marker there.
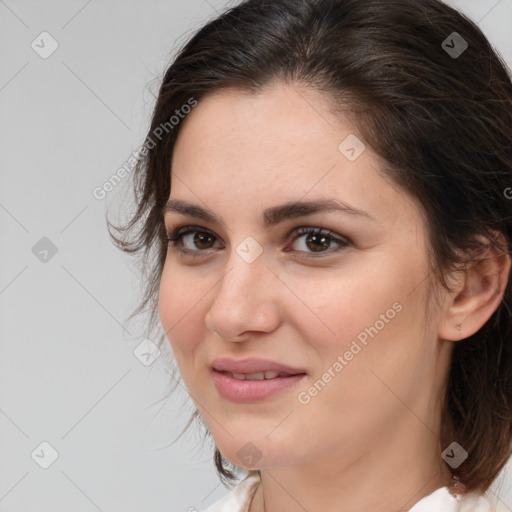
(441, 500)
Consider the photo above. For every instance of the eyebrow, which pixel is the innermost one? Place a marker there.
(271, 216)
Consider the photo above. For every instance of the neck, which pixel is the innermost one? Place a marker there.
(392, 478)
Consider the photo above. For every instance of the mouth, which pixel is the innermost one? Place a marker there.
(266, 375)
(254, 387)
(254, 368)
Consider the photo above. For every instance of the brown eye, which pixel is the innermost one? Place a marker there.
(316, 240)
(202, 240)
(192, 240)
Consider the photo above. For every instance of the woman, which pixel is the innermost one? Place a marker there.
(322, 203)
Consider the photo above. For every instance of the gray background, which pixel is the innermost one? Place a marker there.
(68, 373)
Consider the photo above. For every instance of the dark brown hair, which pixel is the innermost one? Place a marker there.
(440, 121)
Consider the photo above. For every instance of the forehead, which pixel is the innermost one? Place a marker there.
(278, 123)
(279, 145)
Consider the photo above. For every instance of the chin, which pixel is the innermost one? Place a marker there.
(258, 453)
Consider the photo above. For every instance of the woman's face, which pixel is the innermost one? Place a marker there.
(347, 314)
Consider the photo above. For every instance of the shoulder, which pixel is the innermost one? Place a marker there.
(442, 500)
(482, 503)
(239, 498)
(476, 502)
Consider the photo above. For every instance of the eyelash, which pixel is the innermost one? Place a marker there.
(176, 237)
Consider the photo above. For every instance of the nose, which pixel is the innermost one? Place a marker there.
(246, 300)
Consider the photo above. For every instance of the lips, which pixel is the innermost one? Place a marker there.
(257, 376)
(253, 379)
(247, 385)
(254, 368)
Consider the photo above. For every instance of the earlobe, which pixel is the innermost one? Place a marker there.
(477, 294)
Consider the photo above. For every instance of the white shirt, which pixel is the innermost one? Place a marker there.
(240, 497)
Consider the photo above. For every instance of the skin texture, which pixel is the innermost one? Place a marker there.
(369, 439)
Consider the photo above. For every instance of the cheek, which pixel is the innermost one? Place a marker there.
(181, 315)
(336, 307)
(373, 320)
(377, 319)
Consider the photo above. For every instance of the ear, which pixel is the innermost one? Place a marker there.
(477, 292)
